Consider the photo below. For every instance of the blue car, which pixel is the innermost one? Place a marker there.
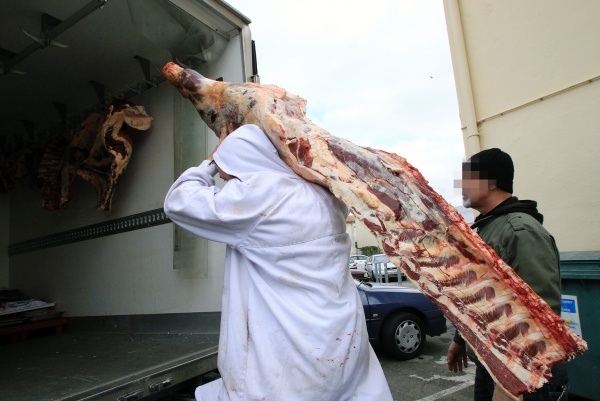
(398, 318)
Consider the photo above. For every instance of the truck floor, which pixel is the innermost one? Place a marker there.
(104, 364)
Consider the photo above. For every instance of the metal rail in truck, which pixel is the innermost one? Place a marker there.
(140, 297)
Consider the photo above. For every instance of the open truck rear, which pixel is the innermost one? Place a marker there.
(139, 297)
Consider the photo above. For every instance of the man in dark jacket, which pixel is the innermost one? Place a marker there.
(513, 228)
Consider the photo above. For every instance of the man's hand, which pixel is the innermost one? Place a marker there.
(501, 395)
(457, 357)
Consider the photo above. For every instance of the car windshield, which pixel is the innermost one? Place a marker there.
(380, 259)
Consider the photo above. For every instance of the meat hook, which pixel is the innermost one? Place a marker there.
(44, 41)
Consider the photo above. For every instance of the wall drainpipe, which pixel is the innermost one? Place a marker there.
(462, 77)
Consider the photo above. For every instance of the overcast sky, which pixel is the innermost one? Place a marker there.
(377, 73)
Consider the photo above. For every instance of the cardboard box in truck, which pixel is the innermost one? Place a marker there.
(140, 296)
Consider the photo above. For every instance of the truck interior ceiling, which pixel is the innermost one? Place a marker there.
(105, 48)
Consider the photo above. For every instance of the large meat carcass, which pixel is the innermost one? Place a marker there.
(111, 151)
(98, 151)
(513, 331)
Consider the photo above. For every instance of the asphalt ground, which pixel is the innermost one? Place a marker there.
(427, 378)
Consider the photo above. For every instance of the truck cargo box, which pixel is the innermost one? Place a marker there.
(123, 276)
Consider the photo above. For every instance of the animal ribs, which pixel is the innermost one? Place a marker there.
(513, 331)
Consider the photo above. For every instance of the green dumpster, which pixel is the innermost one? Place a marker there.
(580, 274)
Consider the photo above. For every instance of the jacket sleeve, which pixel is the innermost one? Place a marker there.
(196, 204)
(458, 338)
(531, 251)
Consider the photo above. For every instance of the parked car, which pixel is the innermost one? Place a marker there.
(361, 275)
(358, 261)
(399, 318)
(357, 264)
(384, 265)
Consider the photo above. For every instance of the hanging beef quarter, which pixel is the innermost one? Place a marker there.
(52, 171)
(513, 331)
(62, 157)
(111, 151)
(84, 137)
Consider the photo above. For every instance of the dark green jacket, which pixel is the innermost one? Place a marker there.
(514, 230)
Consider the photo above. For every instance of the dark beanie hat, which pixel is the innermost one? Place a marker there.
(493, 164)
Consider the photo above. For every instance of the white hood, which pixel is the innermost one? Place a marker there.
(247, 151)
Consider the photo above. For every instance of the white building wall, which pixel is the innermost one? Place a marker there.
(534, 70)
(360, 236)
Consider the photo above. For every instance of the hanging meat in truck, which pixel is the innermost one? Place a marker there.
(111, 151)
(513, 331)
(61, 158)
(98, 150)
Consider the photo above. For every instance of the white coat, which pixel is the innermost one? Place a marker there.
(292, 325)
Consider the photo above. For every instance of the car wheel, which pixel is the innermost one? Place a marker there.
(403, 336)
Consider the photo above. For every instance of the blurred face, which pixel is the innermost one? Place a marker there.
(474, 189)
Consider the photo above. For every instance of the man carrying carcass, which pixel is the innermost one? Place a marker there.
(292, 323)
(513, 228)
